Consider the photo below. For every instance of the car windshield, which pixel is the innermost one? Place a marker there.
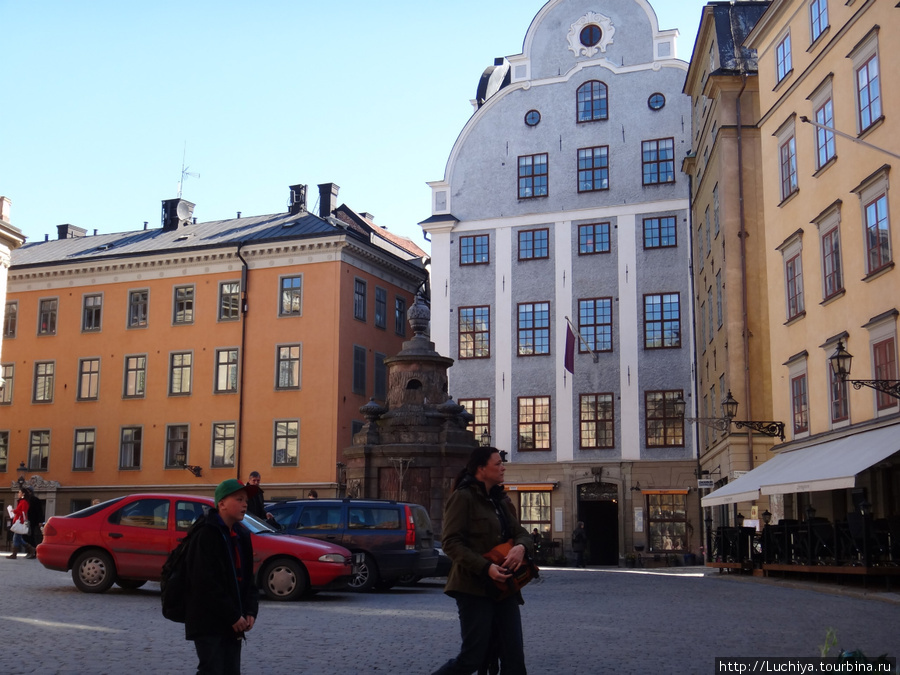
(255, 525)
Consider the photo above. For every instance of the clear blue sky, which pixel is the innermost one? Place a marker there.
(100, 98)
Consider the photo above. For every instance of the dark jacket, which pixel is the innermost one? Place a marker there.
(257, 505)
(579, 540)
(471, 528)
(215, 601)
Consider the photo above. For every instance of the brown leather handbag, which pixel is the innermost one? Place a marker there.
(526, 572)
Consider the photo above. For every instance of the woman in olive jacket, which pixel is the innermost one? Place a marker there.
(477, 517)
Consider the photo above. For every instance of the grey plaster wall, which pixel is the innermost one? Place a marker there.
(632, 40)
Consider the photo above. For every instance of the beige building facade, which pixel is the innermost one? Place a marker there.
(829, 138)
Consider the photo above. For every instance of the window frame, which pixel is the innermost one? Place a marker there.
(93, 379)
(290, 363)
(591, 106)
(480, 409)
(181, 368)
(222, 433)
(795, 302)
(360, 298)
(884, 367)
(799, 388)
(823, 114)
(139, 377)
(138, 308)
(229, 308)
(838, 398)
(43, 450)
(474, 249)
(400, 316)
(594, 421)
(653, 226)
(662, 322)
(787, 163)
(657, 522)
(533, 244)
(591, 329)
(4, 451)
(45, 381)
(133, 445)
(479, 333)
(877, 219)
(48, 314)
(8, 378)
(588, 243)
(91, 317)
(379, 377)
(869, 110)
(177, 436)
(657, 169)
(183, 298)
(290, 295)
(231, 367)
(783, 58)
(82, 447)
(533, 183)
(672, 424)
(381, 295)
(10, 319)
(588, 174)
(291, 432)
(540, 411)
(537, 327)
(818, 19)
(832, 265)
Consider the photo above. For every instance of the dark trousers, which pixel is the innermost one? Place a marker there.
(218, 654)
(477, 617)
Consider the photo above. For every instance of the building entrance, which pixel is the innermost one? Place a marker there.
(598, 508)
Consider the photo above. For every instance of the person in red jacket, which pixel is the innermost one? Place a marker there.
(20, 515)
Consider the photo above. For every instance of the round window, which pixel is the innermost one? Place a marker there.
(656, 101)
(590, 35)
(532, 117)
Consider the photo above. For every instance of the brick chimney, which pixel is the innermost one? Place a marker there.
(70, 232)
(297, 202)
(328, 193)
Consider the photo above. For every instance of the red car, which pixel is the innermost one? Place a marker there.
(126, 541)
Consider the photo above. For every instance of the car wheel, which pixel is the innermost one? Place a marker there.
(284, 579)
(130, 584)
(93, 572)
(366, 575)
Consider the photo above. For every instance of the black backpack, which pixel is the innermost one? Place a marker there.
(173, 582)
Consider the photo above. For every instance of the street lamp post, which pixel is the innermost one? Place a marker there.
(729, 409)
(181, 458)
(840, 365)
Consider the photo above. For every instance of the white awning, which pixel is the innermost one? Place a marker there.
(831, 465)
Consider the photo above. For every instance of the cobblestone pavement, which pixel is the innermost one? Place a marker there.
(602, 620)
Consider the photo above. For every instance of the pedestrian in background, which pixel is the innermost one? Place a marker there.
(579, 543)
(35, 521)
(477, 517)
(222, 601)
(20, 515)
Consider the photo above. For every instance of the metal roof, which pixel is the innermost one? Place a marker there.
(217, 233)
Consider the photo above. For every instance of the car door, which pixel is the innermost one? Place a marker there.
(321, 521)
(138, 536)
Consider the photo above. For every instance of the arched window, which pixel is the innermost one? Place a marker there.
(592, 102)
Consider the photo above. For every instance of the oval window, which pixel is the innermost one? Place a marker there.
(656, 101)
(532, 117)
(590, 35)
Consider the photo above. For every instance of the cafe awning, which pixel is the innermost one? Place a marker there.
(831, 465)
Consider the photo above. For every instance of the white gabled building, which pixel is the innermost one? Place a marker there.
(563, 198)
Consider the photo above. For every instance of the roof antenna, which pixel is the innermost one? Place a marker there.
(184, 171)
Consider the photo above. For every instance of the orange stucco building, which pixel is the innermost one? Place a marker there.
(222, 347)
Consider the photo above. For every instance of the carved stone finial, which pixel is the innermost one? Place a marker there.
(372, 411)
(419, 317)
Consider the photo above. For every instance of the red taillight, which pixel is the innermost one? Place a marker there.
(410, 530)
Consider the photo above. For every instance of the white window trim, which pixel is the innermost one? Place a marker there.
(797, 367)
(859, 55)
(791, 248)
(880, 330)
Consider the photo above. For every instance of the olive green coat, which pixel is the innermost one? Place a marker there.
(471, 528)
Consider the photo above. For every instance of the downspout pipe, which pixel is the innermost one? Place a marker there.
(245, 287)
(742, 235)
